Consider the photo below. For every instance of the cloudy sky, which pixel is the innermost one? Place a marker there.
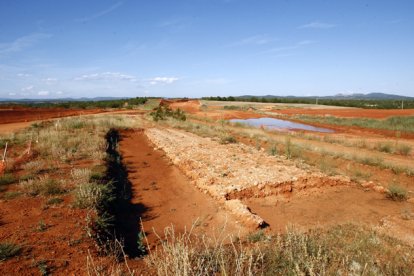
(193, 48)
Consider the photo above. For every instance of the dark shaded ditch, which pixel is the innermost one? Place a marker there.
(118, 218)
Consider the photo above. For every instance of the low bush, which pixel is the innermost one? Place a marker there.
(88, 195)
(228, 140)
(404, 149)
(164, 112)
(7, 179)
(42, 186)
(397, 193)
(8, 250)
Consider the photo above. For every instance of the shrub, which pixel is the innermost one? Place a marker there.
(11, 195)
(228, 140)
(8, 250)
(7, 179)
(384, 147)
(397, 193)
(89, 195)
(54, 201)
(404, 149)
(163, 112)
(42, 186)
(288, 148)
(257, 236)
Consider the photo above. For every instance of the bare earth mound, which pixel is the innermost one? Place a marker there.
(229, 172)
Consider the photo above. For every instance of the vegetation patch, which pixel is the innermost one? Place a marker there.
(7, 179)
(397, 193)
(396, 123)
(163, 112)
(8, 250)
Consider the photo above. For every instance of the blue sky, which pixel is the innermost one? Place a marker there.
(194, 48)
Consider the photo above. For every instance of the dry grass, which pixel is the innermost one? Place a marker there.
(343, 249)
(189, 254)
(42, 185)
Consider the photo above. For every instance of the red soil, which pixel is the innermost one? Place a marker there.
(165, 196)
(62, 245)
(189, 106)
(23, 114)
(351, 112)
(330, 206)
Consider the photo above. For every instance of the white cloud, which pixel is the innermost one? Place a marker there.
(292, 47)
(22, 75)
(100, 13)
(27, 88)
(43, 93)
(22, 43)
(253, 40)
(317, 25)
(12, 94)
(59, 92)
(163, 80)
(107, 76)
(50, 80)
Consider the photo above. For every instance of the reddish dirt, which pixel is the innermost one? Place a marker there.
(165, 196)
(63, 245)
(13, 127)
(351, 112)
(190, 106)
(332, 205)
(23, 114)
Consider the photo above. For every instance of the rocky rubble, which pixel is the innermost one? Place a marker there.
(223, 169)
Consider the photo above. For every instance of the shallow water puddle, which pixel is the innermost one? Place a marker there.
(278, 124)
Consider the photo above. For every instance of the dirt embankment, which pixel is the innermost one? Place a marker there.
(268, 190)
(229, 172)
(22, 114)
(163, 195)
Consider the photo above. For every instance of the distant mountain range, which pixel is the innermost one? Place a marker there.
(369, 96)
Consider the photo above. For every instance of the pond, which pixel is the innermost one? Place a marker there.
(277, 124)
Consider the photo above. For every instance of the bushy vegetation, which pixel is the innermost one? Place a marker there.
(380, 104)
(7, 179)
(397, 193)
(163, 112)
(42, 185)
(8, 250)
(121, 103)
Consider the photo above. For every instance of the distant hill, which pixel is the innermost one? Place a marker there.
(369, 96)
(373, 96)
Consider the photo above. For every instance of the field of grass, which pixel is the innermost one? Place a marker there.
(402, 124)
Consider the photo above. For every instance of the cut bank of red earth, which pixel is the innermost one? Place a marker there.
(268, 186)
(165, 196)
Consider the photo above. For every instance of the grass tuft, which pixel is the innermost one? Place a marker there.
(8, 250)
(397, 193)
